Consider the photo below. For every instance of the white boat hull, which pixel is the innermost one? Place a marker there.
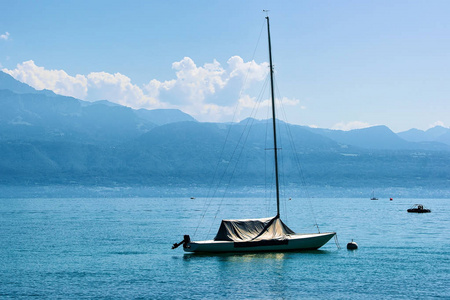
(295, 242)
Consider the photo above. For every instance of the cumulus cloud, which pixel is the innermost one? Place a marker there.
(250, 71)
(94, 86)
(56, 80)
(350, 125)
(196, 83)
(119, 89)
(4, 36)
(209, 92)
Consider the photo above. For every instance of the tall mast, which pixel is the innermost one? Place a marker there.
(273, 120)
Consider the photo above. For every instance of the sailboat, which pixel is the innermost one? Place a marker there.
(263, 234)
(373, 196)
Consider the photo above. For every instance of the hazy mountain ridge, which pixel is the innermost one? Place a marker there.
(436, 134)
(47, 138)
(36, 115)
(380, 137)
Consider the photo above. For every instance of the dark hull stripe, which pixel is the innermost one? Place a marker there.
(260, 243)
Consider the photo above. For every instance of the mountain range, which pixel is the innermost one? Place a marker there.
(47, 138)
(436, 134)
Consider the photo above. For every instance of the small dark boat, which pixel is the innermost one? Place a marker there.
(418, 208)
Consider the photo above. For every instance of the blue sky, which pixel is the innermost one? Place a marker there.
(339, 64)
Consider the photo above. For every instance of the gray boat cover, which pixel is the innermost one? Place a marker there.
(252, 230)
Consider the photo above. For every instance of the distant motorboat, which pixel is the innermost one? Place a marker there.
(418, 208)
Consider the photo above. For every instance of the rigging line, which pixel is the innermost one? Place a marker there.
(253, 55)
(297, 161)
(282, 168)
(231, 177)
(283, 173)
(265, 169)
(208, 200)
(301, 174)
(208, 203)
(247, 128)
(249, 120)
(266, 196)
(252, 59)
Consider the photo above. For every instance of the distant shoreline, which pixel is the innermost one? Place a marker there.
(187, 191)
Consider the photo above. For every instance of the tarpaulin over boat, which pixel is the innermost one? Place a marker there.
(252, 230)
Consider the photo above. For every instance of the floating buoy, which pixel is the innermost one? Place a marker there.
(391, 199)
(352, 245)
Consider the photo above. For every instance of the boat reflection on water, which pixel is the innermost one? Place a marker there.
(247, 257)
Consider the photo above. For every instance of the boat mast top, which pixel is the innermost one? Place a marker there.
(273, 120)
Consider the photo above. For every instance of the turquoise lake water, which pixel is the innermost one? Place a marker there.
(121, 248)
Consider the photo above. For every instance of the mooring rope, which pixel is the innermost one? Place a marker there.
(337, 241)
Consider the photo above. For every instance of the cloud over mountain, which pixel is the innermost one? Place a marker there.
(56, 80)
(351, 125)
(209, 92)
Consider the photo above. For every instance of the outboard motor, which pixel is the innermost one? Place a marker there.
(186, 240)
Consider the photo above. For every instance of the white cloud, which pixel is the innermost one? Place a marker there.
(4, 36)
(198, 82)
(291, 102)
(194, 83)
(95, 86)
(119, 89)
(154, 87)
(56, 80)
(204, 91)
(247, 102)
(249, 71)
(209, 92)
(350, 125)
